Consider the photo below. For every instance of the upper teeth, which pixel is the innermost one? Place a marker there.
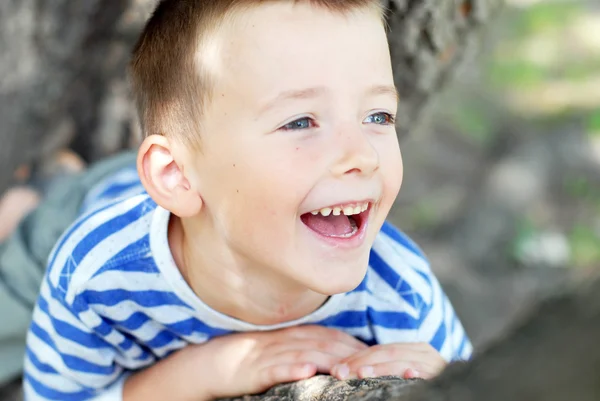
(346, 210)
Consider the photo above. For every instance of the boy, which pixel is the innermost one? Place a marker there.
(247, 247)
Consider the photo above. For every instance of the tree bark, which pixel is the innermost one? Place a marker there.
(552, 355)
(63, 62)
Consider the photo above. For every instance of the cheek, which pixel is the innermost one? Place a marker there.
(392, 166)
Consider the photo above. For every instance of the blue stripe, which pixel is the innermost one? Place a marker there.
(99, 234)
(132, 323)
(393, 279)
(72, 333)
(182, 328)
(103, 329)
(39, 365)
(73, 228)
(145, 299)
(438, 339)
(440, 336)
(126, 344)
(116, 189)
(192, 325)
(398, 236)
(72, 362)
(52, 394)
(130, 259)
(162, 339)
(372, 317)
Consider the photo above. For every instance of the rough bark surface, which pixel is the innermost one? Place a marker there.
(552, 355)
(63, 62)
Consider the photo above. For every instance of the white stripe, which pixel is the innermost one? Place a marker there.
(467, 351)
(29, 393)
(433, 320)
(459, 333)
(404, 263)
(49, 356)
(114, 392)
(58, 311)
(53, 381)
(114, 337)
(135, 364)
(91, 223)
(128, 281)
(128, 175)
(165, 314)
(112, 245)
(100, 357)
(389, 336)
(161, 352)
(386, 298)
(409, 257)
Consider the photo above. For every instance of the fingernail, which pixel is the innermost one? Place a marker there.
(367, 371)
(412, 374)
(341, 371)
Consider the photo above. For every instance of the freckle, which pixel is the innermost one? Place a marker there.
(297, 149)
(233, 164)
(237, 190)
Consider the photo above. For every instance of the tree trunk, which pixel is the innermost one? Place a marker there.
(62, 65)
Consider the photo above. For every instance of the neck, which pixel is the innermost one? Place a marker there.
(231, 285)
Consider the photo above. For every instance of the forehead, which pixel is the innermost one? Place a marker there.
(286, 45)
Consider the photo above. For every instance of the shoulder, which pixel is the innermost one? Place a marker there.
(108, 237)
(399, 266)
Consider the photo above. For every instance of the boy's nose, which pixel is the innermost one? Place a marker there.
(357, 155)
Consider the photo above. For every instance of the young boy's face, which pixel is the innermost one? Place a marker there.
(299, 123)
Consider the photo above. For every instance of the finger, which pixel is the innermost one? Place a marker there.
(407, 370)
(385, 353)
(323, 361)
(334, 348)
(285, 373)
(320, 332)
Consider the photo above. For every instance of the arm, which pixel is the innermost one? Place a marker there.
(178, 378)
(65, 359)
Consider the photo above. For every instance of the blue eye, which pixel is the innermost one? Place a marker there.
(299, 124)
(381, 118)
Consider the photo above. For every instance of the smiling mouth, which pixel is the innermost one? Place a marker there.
(344, 221)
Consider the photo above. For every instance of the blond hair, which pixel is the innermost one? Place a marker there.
(170, 84)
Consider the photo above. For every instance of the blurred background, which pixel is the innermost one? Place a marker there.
(502, 176)
(502, 184)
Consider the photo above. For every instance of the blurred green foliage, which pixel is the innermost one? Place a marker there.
(545, 71)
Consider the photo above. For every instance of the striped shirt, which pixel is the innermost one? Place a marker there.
(113, 301)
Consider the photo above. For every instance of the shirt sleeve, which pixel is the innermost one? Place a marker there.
(65, 358)
(441, 326)
(438, 323)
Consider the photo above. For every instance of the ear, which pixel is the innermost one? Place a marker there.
(164, 179)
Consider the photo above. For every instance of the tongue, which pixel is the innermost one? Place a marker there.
(329, 226)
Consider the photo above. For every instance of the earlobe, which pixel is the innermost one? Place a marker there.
(164, 179)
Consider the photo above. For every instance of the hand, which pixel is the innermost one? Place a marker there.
(407, 360)
(250, 363)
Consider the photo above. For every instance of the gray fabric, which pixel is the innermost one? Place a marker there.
(24, 255)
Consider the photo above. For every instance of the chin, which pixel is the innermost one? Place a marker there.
(344, 281)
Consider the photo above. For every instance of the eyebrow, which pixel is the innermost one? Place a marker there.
(300, 94)
(309, 93)
(385, 90)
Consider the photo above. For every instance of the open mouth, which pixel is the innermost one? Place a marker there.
(343, 221)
